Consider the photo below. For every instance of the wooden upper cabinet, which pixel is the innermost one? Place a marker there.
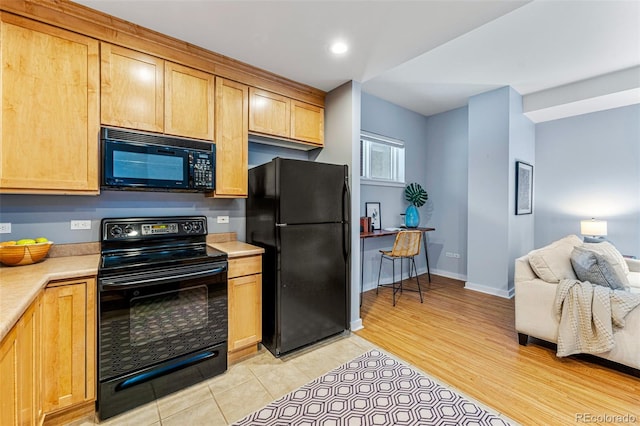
(143, 92)
(132, 89)
(50, 109)
(276, 115)
(307, 122)
(269, 113)
(232, 145)
(189, 102)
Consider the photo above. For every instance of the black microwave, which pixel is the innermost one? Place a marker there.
(149, 162)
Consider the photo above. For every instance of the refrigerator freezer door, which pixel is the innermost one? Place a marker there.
(310, 192)
(313, 284)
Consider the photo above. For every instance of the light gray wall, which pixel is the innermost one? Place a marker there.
(446, 168)
(342, 132)
(589, 166)
(260, 153)
(499, 135)
(49, 215)
(488, 186)
(387, 119)
(522, 139)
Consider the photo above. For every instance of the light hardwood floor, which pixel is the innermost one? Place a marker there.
(468, 340)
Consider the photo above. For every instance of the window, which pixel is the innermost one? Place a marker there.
(381, 159)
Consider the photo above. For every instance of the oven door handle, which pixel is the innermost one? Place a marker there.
(106, 284)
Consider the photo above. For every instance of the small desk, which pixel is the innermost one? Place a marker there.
(383, 233)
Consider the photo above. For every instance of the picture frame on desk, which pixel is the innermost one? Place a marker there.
(372, 210)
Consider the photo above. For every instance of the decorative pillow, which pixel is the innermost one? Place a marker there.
(610, 253)
(595, 268)
(552, 263)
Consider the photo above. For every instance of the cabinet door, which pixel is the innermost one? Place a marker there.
(132, 89)
(307, 122)
(232, 145)
(188, 102)
(28, 350)
(68, 344)
(9, 379)
(50, 112)
(269, 113)
(20, 371)
(245, 311)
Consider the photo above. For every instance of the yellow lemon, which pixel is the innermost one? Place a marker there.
(25, 241)
(41, 240)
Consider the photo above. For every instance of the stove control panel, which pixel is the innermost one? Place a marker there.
(123, 229)
(159, 228)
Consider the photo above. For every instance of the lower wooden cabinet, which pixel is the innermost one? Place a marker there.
(68, 344)
(245, 306)
(20, 377)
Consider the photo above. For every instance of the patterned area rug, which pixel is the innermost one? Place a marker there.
(372, 389)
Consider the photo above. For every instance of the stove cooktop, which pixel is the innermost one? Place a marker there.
(135, 244)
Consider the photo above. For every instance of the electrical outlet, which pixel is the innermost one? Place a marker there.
(80, 224)
(453, 255)
(5, 228)
(223, 219)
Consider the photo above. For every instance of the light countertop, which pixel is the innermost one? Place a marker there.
(237, 248)
(19, 285)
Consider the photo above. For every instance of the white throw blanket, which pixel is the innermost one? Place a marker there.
(588, 316)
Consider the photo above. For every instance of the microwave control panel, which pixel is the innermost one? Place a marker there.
(201, 170)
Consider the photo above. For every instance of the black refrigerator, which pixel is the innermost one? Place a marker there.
(298, 211)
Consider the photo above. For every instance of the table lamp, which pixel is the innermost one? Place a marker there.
(593, 229)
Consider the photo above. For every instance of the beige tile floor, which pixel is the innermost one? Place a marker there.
(243, 388)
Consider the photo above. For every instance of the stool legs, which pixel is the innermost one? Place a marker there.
(413, 260)
(412, 268)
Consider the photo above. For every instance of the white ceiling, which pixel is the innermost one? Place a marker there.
(428, 56)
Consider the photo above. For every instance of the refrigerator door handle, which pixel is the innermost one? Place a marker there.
(281, 225)
(346, 213)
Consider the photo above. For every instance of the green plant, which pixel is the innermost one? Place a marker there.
(415, 194)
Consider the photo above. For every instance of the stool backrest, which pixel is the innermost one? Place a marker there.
(407, 244)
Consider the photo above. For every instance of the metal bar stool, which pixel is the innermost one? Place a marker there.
(406, 246)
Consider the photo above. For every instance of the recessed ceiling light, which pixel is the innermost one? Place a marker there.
(339, 47)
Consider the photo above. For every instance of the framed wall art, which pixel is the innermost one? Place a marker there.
(524, 188)
(372, 210)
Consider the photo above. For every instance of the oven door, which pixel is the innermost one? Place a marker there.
(158, 332)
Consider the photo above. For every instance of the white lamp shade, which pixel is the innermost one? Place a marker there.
(593, 227)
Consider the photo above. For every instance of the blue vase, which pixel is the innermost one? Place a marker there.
(412, 217)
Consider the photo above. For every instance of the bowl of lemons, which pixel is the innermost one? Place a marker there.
(25, 251)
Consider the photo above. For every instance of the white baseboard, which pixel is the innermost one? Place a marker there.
(448, 274)
(506, 294)
(356, 325)
(443, 273)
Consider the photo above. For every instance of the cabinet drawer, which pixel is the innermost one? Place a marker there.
(241, 266)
